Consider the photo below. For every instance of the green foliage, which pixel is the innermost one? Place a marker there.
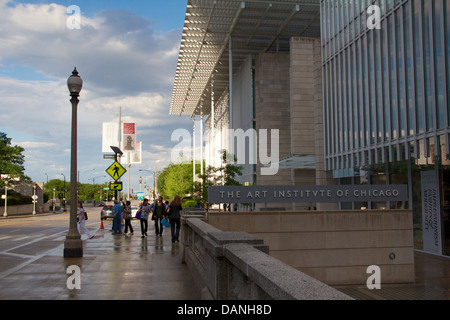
(176, 179)
(86, 191)
(15, 198)
(225, 175)
(189, 203)
(12, 159)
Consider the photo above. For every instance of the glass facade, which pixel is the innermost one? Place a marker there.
(386, 98)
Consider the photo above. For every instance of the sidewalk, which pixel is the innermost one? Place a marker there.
(118, 267)
(113, 267)
(432, 282)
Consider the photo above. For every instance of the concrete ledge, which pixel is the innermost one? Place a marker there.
(236, 265)
(277, 279)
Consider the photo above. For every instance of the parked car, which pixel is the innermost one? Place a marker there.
(107, 212)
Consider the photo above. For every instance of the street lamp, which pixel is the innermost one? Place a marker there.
(154, 175)
(64, 191)
(73, 246)
(5, 213)
(54, 200)
(34, 200)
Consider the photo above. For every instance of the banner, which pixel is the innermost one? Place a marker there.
(135, 156)
(110, 136)
(129, 137)
(431, 213)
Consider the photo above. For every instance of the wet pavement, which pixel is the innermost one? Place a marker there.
(432, 282)
(119, 267)
(113, 267)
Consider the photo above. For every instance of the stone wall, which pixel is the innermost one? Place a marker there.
(236, 266)
(335, 247)
(272, 109)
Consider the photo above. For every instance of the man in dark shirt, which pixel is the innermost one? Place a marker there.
(159, 211)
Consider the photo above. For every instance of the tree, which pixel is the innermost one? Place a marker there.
(225, 175)
(176, 179)
(12, 159)
(86, 191)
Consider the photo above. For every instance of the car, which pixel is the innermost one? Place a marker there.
(107, 212)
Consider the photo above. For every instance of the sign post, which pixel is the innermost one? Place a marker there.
(116, 171)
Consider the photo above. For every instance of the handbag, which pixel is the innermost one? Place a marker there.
(165, 222)
(138, 214)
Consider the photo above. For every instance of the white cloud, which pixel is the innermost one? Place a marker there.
(34, 144)
(123, 63)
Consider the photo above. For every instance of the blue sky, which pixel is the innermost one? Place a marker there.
(125, 51)
(165, 14)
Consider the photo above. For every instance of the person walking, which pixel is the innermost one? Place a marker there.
(144, 210)
(127, 216)
(117, 229)
(174, 215)
(82, 220)
(158, 213)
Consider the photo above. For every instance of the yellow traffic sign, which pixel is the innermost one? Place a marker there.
(116, 170)
(117, 185)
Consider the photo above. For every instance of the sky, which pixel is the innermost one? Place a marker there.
(126, 53)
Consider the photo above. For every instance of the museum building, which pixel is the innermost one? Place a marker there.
(326, 93)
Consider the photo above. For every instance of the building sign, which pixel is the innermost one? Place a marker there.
(431, 213)
(318, 194)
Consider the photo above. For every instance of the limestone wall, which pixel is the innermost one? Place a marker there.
(236, 266)
(335, 247)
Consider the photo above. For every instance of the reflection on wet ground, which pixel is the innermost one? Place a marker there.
(112, 267)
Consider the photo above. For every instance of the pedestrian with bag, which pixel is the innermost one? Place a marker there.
(143, 212)
(128, 217)
(82, 217)
(174, 215)
(158, 215)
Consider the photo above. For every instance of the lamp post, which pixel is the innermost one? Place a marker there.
(64, 190)
(155, 183)
(34, 200)
(73, 246)
(54, 200)
(155, 176)
(5, 213)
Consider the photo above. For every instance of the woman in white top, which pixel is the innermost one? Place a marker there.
(82, 220)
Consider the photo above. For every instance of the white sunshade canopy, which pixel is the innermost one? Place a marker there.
(253, 26)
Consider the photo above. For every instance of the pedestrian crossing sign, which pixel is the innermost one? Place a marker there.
(116, 171)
